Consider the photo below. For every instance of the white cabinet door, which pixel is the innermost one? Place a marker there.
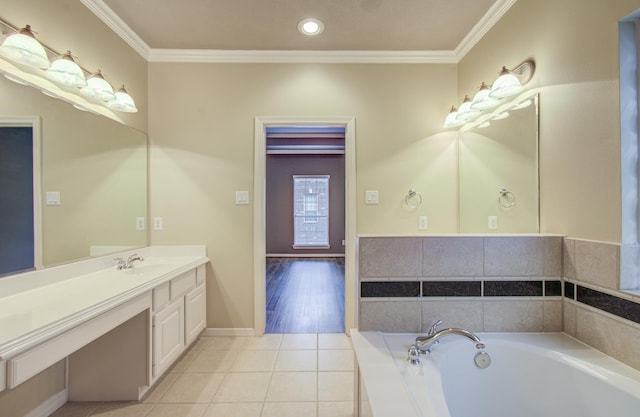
(168, 336)
(195, 312)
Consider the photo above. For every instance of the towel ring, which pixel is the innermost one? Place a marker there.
(413, 199)
(506, 198)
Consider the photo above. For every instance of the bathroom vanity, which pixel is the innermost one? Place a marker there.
(117, 330)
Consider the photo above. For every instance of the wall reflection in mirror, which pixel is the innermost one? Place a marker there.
(499, 175)
(99, 168)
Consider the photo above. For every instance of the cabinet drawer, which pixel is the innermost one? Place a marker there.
(160, 296)
(181, 284)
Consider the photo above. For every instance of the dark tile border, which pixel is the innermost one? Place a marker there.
(390, 289)
(425, 289)
(569, 290)
(610, 303)
(451, 288)
(513, 289)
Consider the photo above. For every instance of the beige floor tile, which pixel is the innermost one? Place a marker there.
(217, 343)
(289, 410)
(335, 409)
(122, 409)
(193, 388)
(184, 361)
(334, 341)
(297, 360)
(264, 342)
(299, 341)
(178, 410)
(234, 410)
(212, 361)
(243, 387)
(254, 361)
(292, 386)
(335, 386)
(161, 388)
(335, 360)
(76, 409)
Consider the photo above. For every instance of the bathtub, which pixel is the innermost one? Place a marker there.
(530, 375)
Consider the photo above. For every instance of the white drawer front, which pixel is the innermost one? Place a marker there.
(161, 296)
(181, 284)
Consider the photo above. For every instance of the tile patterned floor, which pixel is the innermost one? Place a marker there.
(277, 375)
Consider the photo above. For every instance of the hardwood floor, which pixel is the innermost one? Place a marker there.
(305, 295)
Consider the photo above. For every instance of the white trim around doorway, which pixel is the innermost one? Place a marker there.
(259, 229)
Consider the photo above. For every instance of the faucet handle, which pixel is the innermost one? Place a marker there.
(120, 262)
(434, 328)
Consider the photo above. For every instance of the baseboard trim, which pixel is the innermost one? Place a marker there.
(49, 406)
(211, 331)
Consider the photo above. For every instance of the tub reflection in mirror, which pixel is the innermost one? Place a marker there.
(498, 169)
(98, 166)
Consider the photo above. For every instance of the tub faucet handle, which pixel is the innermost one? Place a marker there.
(434, 328)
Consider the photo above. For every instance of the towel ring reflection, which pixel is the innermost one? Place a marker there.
(413, 199)
(506, 198)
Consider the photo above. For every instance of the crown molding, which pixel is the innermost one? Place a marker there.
(113, 21)
(493, 15)
(325, 57)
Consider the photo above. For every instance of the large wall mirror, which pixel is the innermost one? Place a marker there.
(498, 170)
(99, 168)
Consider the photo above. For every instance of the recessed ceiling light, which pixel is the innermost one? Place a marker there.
(310, 27)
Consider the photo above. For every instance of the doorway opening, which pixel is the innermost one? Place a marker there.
(305, 231)
(337, 257)
(20, 242)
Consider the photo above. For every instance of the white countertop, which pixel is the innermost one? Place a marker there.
(30, 315)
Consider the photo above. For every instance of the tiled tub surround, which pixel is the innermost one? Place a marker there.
(484, 284)
(595, 310)
(505, 283)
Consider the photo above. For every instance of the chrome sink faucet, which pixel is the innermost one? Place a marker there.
(128, 264)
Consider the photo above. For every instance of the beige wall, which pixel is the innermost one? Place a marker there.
(575, 46)
(201, 136)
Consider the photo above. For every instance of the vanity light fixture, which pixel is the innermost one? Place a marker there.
(20, 46)
(65, 71)
(23, 47)
(98, 88)
(123, 102)
(483, 100)
(310, 27)
(480, 111)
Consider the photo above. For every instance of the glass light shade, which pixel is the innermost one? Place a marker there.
(123, 102)
(465, 113)
(98, 88)
(451, 120)
(522, 105)
(22, 47)
(65, 71)
(482, 100)
(500, 116)
(506, 85)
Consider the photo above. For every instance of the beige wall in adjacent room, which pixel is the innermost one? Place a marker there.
(575, 46)
(202, 151)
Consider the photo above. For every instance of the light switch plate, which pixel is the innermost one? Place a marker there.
(53, 198)
(371, 197)
(493, 222)
(242, 197)
(423, 223)
(140, 223)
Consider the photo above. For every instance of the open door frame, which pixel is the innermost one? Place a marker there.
(259, 212)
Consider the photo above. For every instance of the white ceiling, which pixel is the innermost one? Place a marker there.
(409, 30)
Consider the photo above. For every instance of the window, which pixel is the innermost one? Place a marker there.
(310, 211)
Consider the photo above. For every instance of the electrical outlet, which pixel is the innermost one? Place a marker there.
(493, 222)
(422, 223)
(140, 223)
(157, 223)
